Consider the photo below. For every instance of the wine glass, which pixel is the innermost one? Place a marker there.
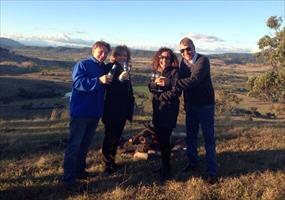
(154, 76)
(126, 67)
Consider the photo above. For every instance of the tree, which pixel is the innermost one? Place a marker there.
(273, 46)
(271, 85)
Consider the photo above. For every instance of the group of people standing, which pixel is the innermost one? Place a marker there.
(105, 91)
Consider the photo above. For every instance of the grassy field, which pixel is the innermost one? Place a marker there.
(250, 149)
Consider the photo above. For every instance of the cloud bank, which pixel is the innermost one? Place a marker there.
(206, 44)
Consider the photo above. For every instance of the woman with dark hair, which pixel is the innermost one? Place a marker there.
(119, 104)
(165, 103)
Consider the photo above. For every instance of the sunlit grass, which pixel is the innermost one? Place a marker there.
(250, 155)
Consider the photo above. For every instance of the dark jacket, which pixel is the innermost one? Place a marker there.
(196, 82)
(165, 104)
(119, 99)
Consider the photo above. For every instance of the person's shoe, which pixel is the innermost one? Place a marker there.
(69, 186)
(165, 174)
(190, 167)
(109, 170)
(158, 170)
(83, 175)
(211, 179)
(116, 166)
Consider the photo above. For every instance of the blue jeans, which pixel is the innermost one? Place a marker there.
(204, 116)
(81, 134)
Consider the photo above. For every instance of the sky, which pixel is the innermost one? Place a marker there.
(214, 26)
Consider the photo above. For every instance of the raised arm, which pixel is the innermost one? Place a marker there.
(81, 81)
(200, 70)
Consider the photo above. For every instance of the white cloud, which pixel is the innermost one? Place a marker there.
(205, 44)
(203, 38)
(59, 39)
(209, 44)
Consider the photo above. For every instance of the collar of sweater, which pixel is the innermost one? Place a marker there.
(95, 60)
(193, 61)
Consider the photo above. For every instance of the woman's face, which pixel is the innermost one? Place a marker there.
(164, 59)
(122, 57)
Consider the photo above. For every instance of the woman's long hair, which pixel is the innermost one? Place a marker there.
(173, 58)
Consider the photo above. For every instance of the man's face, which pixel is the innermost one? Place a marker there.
(187, 51)
(100, 53)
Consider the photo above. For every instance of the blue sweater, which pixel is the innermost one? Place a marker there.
(87, 99)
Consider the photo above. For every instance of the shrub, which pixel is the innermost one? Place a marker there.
(28, 94)
(268, 86)
(226, 102)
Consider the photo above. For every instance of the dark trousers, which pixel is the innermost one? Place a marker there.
(113, 133)
(81, 134)
(163, 135)
(204, 116)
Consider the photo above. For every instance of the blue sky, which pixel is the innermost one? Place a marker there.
(215, 26)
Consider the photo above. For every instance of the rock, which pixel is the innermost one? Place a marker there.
(140, 156)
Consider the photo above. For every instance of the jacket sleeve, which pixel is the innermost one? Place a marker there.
(81, 81)
(200, 70)
(152, 87)
(131, 102)
(174, 93)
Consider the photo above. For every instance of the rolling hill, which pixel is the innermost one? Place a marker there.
(9, 43)
(73, 54)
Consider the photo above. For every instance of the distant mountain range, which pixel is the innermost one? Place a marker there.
(228, 58)
(9, 43)
(9, 59)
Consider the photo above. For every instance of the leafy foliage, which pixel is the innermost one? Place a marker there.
(273, 46)
(227, 102)
(268, 86)
(28, 94)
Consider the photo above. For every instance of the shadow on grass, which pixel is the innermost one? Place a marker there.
(235, 164)
(28, 145)
(249, 123)
(139, 173)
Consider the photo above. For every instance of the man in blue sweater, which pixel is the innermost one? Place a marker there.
(86, 108)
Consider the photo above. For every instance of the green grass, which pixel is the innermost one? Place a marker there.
(141, 89)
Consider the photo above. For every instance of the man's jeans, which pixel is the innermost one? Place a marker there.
(204, 116)
(81, 134)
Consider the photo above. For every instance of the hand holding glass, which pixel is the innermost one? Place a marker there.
(160, 81)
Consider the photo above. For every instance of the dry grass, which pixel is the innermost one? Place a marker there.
(250, 154)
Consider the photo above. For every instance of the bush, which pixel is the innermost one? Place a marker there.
(28, 94)
(269, 86)
(227, 102)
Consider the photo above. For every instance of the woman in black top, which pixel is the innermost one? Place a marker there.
(165, 102)
(118, 105)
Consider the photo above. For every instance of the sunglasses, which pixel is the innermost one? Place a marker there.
(122, 55)
(186, 49)
(164, 57)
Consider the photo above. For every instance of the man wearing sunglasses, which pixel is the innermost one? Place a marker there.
(199, 101)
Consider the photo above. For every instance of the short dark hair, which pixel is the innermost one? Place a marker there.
(101, 43)
(187, 41)
(119, 49)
